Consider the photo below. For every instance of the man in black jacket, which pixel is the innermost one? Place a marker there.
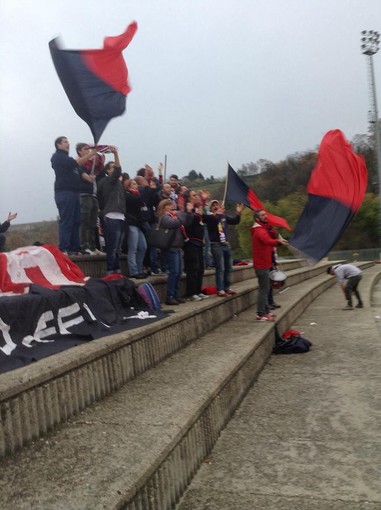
(4, 227)
(112, 205)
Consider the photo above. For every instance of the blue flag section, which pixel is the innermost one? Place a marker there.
(95, 81)
(238, 191)
(335, 193)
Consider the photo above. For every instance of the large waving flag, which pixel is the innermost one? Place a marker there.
(95, 81)
(335, 192)
(237, 190)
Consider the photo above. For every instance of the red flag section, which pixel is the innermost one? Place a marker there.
(335, 192)
(340, 174)
(108, 63)
(238, 191)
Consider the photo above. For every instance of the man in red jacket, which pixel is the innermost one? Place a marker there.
(265, 239)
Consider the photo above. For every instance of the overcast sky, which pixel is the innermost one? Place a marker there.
(212, 81)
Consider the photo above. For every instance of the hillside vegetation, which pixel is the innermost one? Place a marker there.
(282, 189)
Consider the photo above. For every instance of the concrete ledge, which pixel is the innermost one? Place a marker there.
(38, 398)
(96, 266)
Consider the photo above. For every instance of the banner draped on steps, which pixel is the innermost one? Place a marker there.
(52, 318)
(44, 265)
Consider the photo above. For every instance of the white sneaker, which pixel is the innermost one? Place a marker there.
(203, 296)
(87, 251)
(195, 297)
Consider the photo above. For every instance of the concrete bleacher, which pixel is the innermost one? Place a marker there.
(307, 434)
(125, 421)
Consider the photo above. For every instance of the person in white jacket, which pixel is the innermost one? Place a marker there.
(352, 275)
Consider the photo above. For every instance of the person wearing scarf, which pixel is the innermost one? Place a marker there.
(264, 240)
(136, 241)
(216, 222)
(172, 219)
(194, 248)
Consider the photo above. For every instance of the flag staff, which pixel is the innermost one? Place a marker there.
(226, 183)
(165, 167)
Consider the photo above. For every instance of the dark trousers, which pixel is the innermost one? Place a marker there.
(351, 288)
(263, 291)
(194, 268)
(114, 232)
(89, 217)
(70, 220)
(2, 242)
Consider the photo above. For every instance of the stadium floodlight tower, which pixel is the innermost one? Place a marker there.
(370, 44)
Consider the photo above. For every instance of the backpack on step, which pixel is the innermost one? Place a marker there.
(291, 342)
(149, 294)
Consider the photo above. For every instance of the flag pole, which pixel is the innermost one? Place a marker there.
(226, 184)
(165, 168)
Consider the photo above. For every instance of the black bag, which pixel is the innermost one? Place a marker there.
(291, 342)
(160, 237)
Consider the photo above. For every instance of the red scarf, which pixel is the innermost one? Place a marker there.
(133, 191)
(182, 228)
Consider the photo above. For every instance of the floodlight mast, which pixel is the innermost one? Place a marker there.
(370, 44)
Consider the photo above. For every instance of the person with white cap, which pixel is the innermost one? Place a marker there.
(216, 223)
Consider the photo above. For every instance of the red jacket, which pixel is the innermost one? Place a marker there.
(263, 246)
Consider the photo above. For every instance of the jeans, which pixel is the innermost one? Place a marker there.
(263, 292)
(114, 231)
(137, 246)
(194, 268)
(175, 264)
(152, 250)
(207, 254)
(89, 217)
(223, 264)
(69, 210)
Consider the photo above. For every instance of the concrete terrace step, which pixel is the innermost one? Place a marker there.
(95, 266)
(39, 397)
(140, 447)
(307, 435)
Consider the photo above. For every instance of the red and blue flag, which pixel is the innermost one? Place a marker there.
(237, 190)
(95, 81)
(335, 193)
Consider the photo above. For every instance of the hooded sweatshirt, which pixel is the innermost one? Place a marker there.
(264, 241)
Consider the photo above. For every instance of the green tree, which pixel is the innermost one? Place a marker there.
(193, 175)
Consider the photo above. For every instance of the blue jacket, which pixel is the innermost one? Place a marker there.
(68, 173)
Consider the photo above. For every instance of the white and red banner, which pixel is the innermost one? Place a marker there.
(44, 265)
(48, 305)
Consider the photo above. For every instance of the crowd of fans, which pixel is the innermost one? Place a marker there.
(98, 201)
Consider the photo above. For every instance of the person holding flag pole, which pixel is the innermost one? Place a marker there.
(216, 222)
(264, 239)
